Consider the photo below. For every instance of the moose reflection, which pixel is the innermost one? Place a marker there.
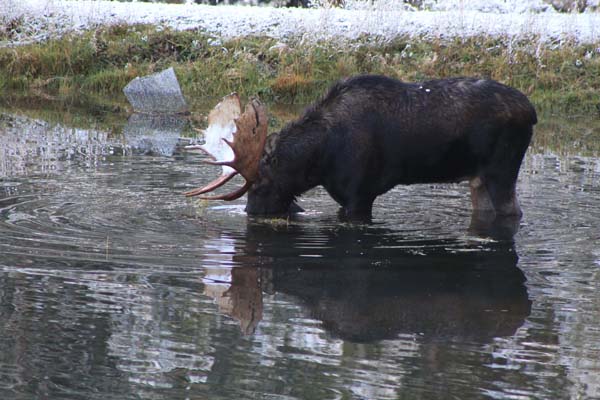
(364, 286)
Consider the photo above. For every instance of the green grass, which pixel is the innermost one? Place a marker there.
(100, 63)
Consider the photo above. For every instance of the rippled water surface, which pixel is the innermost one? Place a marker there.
(115, 286)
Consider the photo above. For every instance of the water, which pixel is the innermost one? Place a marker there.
(115, 286)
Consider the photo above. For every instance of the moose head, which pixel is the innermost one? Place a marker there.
(236, 141)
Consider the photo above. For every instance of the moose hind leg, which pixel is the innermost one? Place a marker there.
(495, 187)
(494, 194)
(480, 197)
(505, 200)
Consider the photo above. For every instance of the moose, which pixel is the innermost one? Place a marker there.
(370, 133)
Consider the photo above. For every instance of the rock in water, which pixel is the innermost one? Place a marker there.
(158, 135)
(156, 93)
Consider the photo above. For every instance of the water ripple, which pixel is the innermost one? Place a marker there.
(113, 285)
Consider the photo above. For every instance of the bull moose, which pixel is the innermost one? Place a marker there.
(370, 133)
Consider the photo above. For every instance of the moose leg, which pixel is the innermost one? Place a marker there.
(493, 194)
(504, 197)
(495, 187)
(480, 197)
(353, 206)
(357, 210)
(354, 189)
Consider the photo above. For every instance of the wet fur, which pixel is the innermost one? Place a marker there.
(371, 133)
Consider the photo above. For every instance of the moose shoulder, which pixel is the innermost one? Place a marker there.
(371, 133)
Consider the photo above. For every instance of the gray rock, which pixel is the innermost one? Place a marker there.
(154, 134)
(156, 94)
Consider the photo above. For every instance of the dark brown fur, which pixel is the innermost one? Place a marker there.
(371, 133)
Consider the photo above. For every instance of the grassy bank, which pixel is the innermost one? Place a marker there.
(100, 63)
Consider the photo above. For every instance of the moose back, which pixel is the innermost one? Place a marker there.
(370, 133)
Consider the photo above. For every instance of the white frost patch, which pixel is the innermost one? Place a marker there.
(490, 6)
(451, 18)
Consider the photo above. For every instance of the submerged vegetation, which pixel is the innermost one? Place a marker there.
(557, 77)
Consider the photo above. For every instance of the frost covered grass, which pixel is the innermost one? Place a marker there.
(40, 20)
(557, 76)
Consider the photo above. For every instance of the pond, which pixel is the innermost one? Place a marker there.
(113, 285)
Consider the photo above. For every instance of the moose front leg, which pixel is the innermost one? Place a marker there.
(354, 207)
(356, 212)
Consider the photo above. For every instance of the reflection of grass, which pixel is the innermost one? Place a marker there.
(562, 78)
(79, 112)
(567, 136)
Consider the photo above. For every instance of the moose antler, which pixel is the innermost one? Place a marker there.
(234, 141)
